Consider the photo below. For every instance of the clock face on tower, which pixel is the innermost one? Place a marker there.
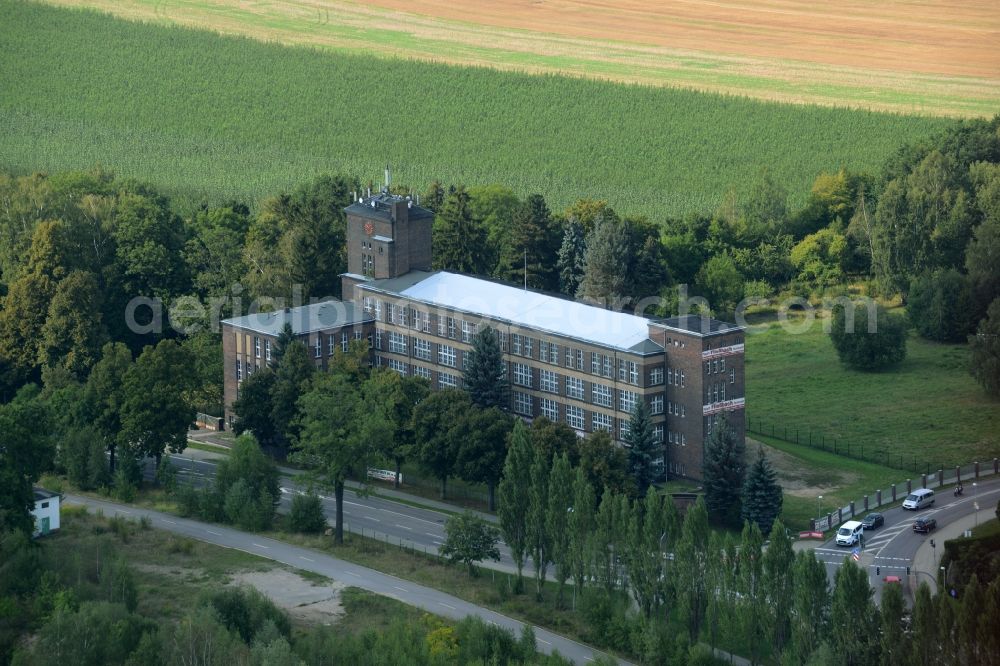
(369, 228)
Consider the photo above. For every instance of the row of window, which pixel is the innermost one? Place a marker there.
(715, 367)
(574, 387)
(574, 415)
(444, 379)
(256, 348)
(331, 343)
(715, 393)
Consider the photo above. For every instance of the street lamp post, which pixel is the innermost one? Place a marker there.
(975, 502)
(819, 511)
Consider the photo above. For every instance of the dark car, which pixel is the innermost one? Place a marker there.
(924, 525)
(873, 520)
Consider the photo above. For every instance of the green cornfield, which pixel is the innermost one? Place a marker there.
(206, 118)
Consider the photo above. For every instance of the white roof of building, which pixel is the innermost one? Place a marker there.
(500, 302)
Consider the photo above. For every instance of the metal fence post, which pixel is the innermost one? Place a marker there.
(977, 469)
(852, 508)
(923, 480)
(894, 492)
(909, 486)
(866, 502)
(940, 477)
(878, 498)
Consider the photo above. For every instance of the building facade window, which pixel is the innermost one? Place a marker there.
(595, 363)
(446, 355)
(422, 349)
(502, 339)
(607, 366)
(344, 341)
(239, 370)
(468, 330)
(549, 409)
(628, 371)
(548, 352)
(397, 343)
(548, 381)
(446, 380)
(267, 350)
(529, 345)
(331, 344)
(451, 328)
(420, 371)
(378, 339)
(627, 400)
(656, 376)
(579, 360)
(398, 366)
(522, 404)
(600, 421)
(574, 388)
(656, 404)
(256, 346)
(601, 395)
(658, 433)
(624, 428)
(515, 343)
(318, 349)
(522, 374)
(575, 417)
(732, 375)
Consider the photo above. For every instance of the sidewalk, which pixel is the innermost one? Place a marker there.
(375, 491)
(926, 560)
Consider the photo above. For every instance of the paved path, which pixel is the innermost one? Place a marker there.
(410, 593)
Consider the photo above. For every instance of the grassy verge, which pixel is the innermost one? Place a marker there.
(926, 413)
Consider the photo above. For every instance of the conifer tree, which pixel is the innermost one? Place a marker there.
(762, 496)
(285, 338)
(513, 491)
(459, 239)
(724, 471)
(485, 375)
(606, 261)
(643, 450)
(571, 258)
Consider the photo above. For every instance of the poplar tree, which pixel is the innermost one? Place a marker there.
(485, 375)
(580, 525)
(603, 542)
(778, 560)
(811, 605)
(893, 641)
(514, 501)
(853, 622)
(557, 519)
(753, 595)
(645, 556)
(539, 539)
(692, 565)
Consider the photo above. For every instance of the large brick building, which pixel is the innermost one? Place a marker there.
(567, 361)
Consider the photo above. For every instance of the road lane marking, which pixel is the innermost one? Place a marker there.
(172, 522)
(215, 533)
(351, 573)
(432, 535)
(404, 527)
(542, 640)
(260, 546)
(400, 589)
(447, 606)
(302, 557)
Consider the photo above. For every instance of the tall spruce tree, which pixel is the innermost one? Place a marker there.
(605, 278)
(539, 538)
(762, 496)
(485, 375)
(514, 500)
(644, 450)
(459, 239)
(528, 248)
(723, 473)
(571, 258)
(285, 338)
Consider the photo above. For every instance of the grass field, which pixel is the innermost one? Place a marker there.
(929, 410)
(902, 55)
(208, 118)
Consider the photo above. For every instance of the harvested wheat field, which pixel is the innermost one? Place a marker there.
(933, 57)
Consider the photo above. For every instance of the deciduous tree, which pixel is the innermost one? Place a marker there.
(514, 500)
(867, 337)
(483, 450)
(985, 347)
(557, 516)
(438, 432)
(539, 538)
(470, 539)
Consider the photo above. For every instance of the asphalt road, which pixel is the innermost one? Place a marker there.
(414, 527)
(893, 546)
(422, 597)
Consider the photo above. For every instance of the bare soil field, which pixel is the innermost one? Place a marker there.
(933, 57)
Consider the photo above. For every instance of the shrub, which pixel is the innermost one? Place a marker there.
(246, 611)
(863, 346)
(940, 304)
(307, 514)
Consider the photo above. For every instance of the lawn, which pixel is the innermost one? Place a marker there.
(924, 414)
(209, 118)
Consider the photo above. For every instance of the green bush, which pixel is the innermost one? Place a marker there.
(247, 612)
(865, 347)
(940, 306)
(307, 514)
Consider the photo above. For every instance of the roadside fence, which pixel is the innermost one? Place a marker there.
(967, 474)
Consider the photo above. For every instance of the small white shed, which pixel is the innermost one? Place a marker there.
(46, 511)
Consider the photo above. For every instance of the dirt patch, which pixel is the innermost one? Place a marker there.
(797, 478)
(302, 599)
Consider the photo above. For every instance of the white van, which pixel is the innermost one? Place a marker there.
(919, 499)
(850, 533)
